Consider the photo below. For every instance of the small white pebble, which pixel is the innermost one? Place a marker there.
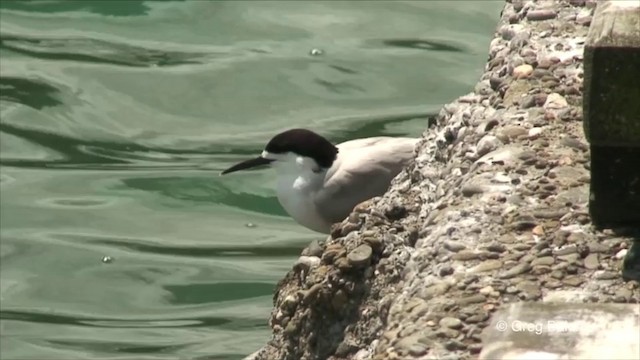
(487, 144)
(535, 132)
(555, 101)
(621, 254)
(486, 290)
(522, 71)
(502, 178)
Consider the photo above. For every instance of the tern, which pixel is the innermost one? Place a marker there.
(319, 183)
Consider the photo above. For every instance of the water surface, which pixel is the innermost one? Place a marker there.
(118, 238)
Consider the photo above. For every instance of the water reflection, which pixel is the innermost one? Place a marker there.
(34, 93)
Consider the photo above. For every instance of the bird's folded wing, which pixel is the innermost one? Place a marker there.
(363, 171)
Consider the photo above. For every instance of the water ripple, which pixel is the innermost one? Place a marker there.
(34, 93)
(84, 202)
(109, 8)
(201, 189)
(103, 322)
(95, 51)
(111, 155)
(112, 347)
(423, 44)
(89, 153)
(270, 251)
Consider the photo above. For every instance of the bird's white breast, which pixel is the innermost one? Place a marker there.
(296, 195)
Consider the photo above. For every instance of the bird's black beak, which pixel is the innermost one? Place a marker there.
(247, 165)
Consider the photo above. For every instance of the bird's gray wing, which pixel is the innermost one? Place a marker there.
(364, 169)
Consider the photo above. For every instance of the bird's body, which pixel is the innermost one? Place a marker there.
(320, 188)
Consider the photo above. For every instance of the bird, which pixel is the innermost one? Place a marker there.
(318, 183)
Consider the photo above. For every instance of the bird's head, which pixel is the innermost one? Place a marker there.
(295, 150)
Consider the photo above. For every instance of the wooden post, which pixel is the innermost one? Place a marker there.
(612, 112)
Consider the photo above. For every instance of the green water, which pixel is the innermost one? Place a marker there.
(116, 117)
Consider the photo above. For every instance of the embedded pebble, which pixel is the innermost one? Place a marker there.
(314, 249)
(546, 260)
(433, 290)
(306, 262)
(573, 281)
(570, 249)
(487, 265)
(595, 247)
(454, 246)
(453, 345)
(621, 254)
(473, 299)
(511, 132)
(451, 322)
(522, 71)
(417, 349)
(360, 256)
(591, 262)
(308, 295)
(516, 270)
(410, 343)
(375, 243)
(555, 101)
(606, 275)
(333, 252)
(496, 247)
(535, 132)
(445, 270)
(539, 15)
(487, 144)
(469, 190)
(466, 255)
(622, 295)
(508, 32)
(495, 82)
(529, 290)
(573, 143)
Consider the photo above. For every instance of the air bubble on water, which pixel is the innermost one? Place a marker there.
(250, 225)
(316, 52)
(107, 259)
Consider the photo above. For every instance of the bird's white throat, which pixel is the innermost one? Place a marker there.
(299, 178)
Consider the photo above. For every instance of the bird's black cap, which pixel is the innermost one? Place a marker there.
(305, 143)
(300, 141)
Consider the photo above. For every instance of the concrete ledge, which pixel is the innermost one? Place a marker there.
(563, 331)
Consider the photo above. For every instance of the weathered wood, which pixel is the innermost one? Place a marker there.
(563, 331)
(612, 75)
(615, 185)
(612, 112)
